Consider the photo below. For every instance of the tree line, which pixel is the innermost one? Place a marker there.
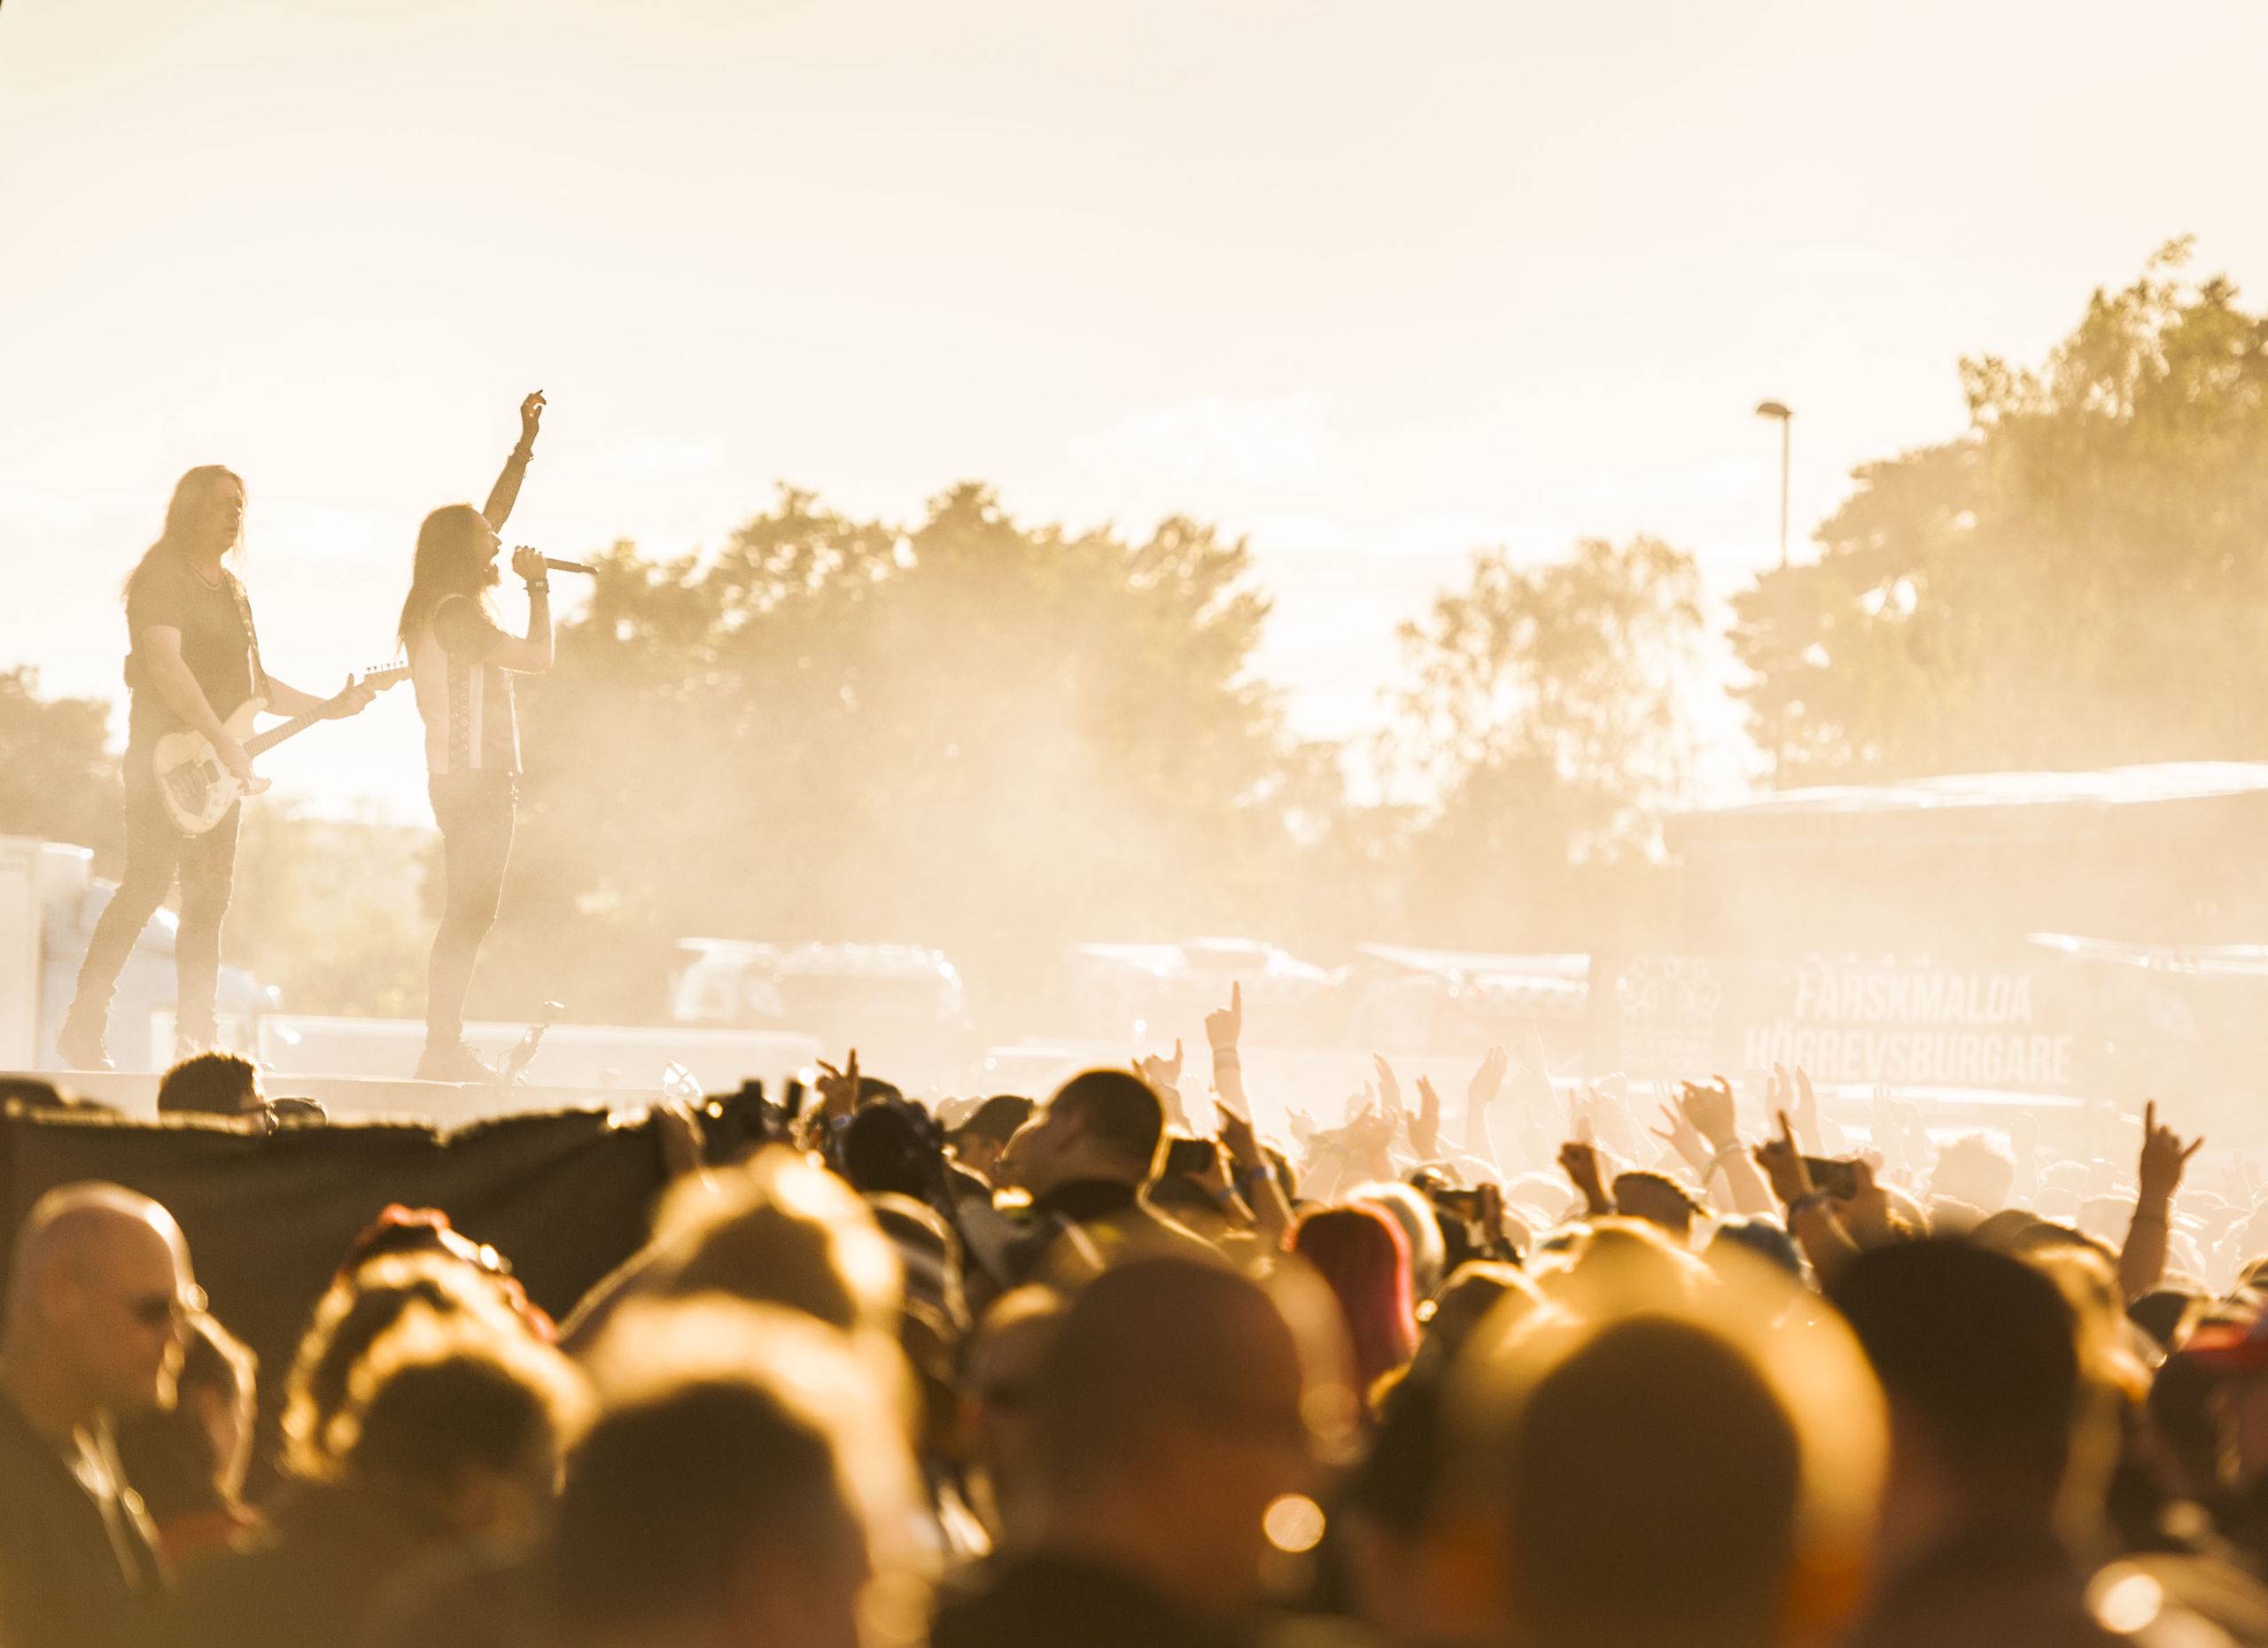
(1000, 737)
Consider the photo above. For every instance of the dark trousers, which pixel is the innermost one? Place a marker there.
(156, 852)
(475, 813)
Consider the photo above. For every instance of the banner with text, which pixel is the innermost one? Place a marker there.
(1890, 1023)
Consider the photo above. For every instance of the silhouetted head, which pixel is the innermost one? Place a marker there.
(1360, 1252)
(1101, 1125)
(1700, 1470)
(1979, 1355)
(777, 1230)
(456, 556)
(210, 1084)
(462, 1421)
(1169, 1415)
(1421, 1232)
(1653, 1479)
(747, 1482)
(978, 1141)
(205, 520)
(99, 1298)
(355, 1312)
(1659, 1200)
(206, 515)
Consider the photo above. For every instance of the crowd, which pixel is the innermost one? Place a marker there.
(1112, 1369)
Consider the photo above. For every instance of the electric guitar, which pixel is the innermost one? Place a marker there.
(198, 791)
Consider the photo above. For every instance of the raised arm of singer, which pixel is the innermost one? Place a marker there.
(461, 660)
(506, 492)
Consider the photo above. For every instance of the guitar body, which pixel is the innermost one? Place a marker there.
(197, 789)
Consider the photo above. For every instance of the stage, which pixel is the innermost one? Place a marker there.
(359, 1098)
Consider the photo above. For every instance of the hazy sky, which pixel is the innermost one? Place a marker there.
(1374, 284)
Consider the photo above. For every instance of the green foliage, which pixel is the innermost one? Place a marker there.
(327, 910)
(2078, 581)
(59, 781)
(1547, 714)
(994, 738)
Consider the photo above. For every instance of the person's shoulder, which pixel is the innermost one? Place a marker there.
(161, 579)
(1168, 1232)
(461, 623)
(28, 1461)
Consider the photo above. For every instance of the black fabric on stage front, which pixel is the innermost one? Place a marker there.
(564, 1196)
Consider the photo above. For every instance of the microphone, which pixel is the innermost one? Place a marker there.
(570, 567)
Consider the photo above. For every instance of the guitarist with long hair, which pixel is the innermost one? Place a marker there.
(193, 659)
(462, 661)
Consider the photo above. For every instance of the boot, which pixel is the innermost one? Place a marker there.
(452, 1061)
(79, 1043)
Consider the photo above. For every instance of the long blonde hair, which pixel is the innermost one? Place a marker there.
(186, 513)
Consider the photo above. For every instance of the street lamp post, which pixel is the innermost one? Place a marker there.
(1785, 418)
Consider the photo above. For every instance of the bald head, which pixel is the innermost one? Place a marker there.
(1653, 1480)
(98, 1293)
(1160, 1347)
(1168, 1415)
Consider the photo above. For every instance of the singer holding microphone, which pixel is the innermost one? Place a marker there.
(461, 660)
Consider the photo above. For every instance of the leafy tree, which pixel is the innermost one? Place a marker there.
(988, 736)
(60, 780)
(2077, 580)
(1546, 715)
(327, 910)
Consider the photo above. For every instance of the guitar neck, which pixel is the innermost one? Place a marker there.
(276, 736)
(376, 680)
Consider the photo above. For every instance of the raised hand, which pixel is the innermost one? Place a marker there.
(1866, 1214)
(1369, 1135)
(1782, 1161)
(1389, 1086)
(530, 416)
(1224, 1026)
(1681, 1135)
(527, 565)
(1579, 1160)
(1426, 1126)
(1162, 1074)
(1710, 1110)
(1488, 1080)
(1807, 1109)
(2164, 1158)
(838, 1090)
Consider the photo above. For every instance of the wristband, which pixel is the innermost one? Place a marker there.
(1805, 1203)
(1223, 1197)
(538, 585)
(1255, 1176)
(1226, 1055)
